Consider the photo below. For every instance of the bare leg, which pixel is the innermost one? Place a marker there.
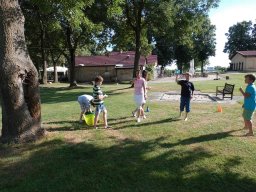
(81, 115)
(186, 116)
(180, 114)
(245, 124)
(249, 126)
(96, 120)
(134, 112)
(105, 120)
(139, 112)
(143, 114)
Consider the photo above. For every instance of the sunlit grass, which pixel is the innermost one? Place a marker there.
(162, 153)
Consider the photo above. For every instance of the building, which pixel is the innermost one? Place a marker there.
(62, 73)
(113, 67)
(243, 61)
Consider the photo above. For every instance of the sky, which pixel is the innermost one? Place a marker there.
(227, 14)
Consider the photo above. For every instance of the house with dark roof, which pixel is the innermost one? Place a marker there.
(113, 67)
(243, 61)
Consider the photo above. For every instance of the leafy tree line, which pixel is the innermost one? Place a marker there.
(241, 37)
(173, 29)
(57, 30)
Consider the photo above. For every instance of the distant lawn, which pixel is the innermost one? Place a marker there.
(206, 153)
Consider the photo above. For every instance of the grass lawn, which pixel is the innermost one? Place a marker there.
(206, 153)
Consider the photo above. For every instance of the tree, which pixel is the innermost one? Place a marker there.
(176, 41)
(239, 38)
(39, 17)
(205, 43)
(129, 25)
(70, 25)
(20, 96)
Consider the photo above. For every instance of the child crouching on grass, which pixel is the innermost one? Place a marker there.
(249, 102)
(85, 102)
(98, 100)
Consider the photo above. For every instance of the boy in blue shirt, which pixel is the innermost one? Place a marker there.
(249, 102)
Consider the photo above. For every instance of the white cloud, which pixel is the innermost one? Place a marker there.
(224, 19)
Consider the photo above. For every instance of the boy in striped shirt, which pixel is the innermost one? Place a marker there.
(98, 100)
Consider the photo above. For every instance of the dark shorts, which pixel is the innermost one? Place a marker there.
(185, 102)
(99, 108)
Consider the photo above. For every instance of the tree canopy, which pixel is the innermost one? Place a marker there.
(174, 29)
(241, 37)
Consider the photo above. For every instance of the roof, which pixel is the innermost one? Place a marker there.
(122, 59)
(246, 53)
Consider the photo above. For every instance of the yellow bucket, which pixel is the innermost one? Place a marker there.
(89, 119)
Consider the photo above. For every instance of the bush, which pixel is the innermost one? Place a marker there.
(151, 70)
(168, 73)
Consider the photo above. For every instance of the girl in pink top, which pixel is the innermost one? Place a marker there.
(139, 94)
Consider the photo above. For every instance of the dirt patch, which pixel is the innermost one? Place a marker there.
(198, 97)
(116, 134)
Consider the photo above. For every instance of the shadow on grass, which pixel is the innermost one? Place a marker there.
(66, 94)
(142, 124)
(61, 94)
(65, 126)
(127, 166)
(200, 139)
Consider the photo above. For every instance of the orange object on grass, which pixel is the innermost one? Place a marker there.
(219, 109)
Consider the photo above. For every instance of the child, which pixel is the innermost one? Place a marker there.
(98, 101)
(145, 77)
(187, 93)
(139, 94)
(249, 102)
(85, 104)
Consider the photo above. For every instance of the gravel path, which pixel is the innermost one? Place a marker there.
(198, 96)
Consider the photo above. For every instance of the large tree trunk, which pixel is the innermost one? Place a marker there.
(137, 54)
(21, 109)
(137, 41)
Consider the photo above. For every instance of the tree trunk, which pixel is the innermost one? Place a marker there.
(137, 40)
(44, 63)
(20, 96)
(202, 67)
(72, 81)
(56, 80)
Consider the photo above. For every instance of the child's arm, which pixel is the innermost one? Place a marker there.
(101, 97)
(193, 89)
(176, 79)
(245, 94)
(144, 89)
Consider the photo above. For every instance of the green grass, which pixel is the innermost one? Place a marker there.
(206, 153)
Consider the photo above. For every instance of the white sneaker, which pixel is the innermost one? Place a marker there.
(144, 117)
(138, 120)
